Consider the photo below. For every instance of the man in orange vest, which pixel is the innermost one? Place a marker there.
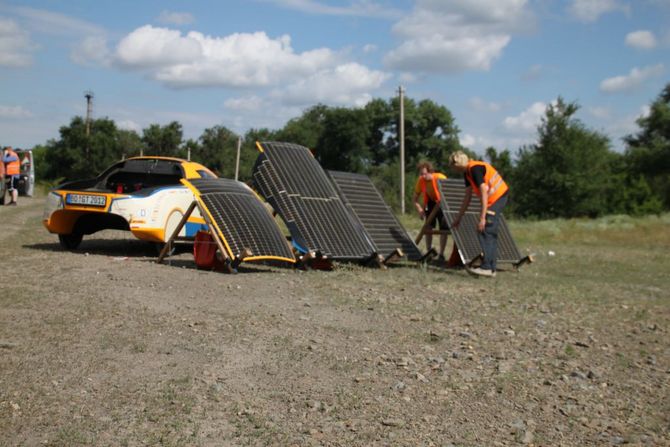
(427, 187)
(13, 171)
(486, 182)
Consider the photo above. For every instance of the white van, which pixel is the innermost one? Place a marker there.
(26, 184)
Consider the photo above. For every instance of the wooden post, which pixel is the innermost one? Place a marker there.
(176, 231)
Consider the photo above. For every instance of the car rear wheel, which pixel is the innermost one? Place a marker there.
(70, 241)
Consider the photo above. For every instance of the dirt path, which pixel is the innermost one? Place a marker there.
(104, 347)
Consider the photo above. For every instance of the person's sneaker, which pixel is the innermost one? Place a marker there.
(11, 204)
(481, 272)
(440, 258)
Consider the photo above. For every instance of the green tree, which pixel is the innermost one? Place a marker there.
(306, 129)
(217, 149)
(648, 151)
(568, 173)
(163, 140)
(76, 155)
(342, 143)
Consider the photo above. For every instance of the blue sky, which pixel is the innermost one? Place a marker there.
(495, 64)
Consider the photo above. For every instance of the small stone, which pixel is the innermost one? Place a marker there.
(393, 422)
(578, 374)
(510, 332)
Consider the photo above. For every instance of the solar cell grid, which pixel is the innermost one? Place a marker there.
(241, 219)
(289, 177)
(466, 237)
(368, 205)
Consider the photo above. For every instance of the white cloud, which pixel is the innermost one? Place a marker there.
(599, 112)
(591, 10)
(361, 8)
(634, 79)
(249, 104)
(128, 124)
(43, 21)
(467, 140)
(479, 105)
(176, 18)
(533, 73)
(369, 48)
(14, 112)
(91, 50)
(347, 84)
(528, 120)
(15, 45)
(643, 40)
(244, 60)
(456, 35)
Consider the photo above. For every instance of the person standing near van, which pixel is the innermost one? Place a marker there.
(12, 170)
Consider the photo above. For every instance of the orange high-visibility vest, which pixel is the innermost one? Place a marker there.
(436, 176)
(496, 184)
(13, 167)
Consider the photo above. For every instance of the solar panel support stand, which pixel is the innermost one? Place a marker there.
(240, 258)
(395, 255)
(175, 234)
(375, 260)
(314, 260)
(181, 224)
(523, 261)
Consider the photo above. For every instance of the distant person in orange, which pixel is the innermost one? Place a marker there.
(482, 179)
(427, 188)
(12, 170)
(2, 179)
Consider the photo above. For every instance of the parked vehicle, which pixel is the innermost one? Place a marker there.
(143, 195)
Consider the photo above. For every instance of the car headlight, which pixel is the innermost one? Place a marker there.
(54, 202)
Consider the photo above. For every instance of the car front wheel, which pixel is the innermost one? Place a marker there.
(70, 241)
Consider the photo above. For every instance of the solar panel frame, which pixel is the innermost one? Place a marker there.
(289, 177)
(376, 217)
(241, 219)
(452, 192)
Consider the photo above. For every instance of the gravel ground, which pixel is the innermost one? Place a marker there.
(103, 346)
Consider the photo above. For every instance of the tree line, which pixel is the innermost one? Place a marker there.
(571, 171)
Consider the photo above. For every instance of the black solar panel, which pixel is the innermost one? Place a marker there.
(293, 182)
(367, 204)
(241, 219)
(452, 192)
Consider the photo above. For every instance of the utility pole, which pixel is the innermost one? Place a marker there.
(401, 138)
(89, 113)
(237, 161)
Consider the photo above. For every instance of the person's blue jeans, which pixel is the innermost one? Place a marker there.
(489, 237)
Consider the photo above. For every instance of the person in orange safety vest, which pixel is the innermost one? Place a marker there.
(13, 171)
(482, 179)
(427, 188)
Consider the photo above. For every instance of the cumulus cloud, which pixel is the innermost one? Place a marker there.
(642, 40)
(479, 105)
(361, 8)
(528, 120)
(328, 86)
(533, 73)
(247, 60)
(449, 36)
(14, 112)
(15, 45)
(127, 124)
(176, 18)
(91, 50)
(248, 104)
(634, 79)
(600, 112)
(591, 10)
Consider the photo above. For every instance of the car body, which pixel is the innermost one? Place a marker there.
(143, 195)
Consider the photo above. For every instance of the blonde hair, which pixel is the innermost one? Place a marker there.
(459, 159)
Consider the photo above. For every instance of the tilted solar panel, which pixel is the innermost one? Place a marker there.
(452, 192)
(241, 219)
(367, 204)
(293, 182)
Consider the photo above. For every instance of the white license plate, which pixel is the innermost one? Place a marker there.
(85, 199)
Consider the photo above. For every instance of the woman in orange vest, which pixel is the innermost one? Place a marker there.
(427, 187)
(13, 171)
(486, 182)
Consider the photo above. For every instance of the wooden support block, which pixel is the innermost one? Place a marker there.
(432, 253)
(175, 233)
(239, 258)
(525, 260)
(395, 255)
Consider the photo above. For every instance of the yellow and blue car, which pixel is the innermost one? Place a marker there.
(143, 195)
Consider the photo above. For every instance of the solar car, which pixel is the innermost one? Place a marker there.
(143, 195)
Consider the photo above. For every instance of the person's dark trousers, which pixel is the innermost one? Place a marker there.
(489, 238)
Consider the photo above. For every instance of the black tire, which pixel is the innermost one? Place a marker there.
(70, 241)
